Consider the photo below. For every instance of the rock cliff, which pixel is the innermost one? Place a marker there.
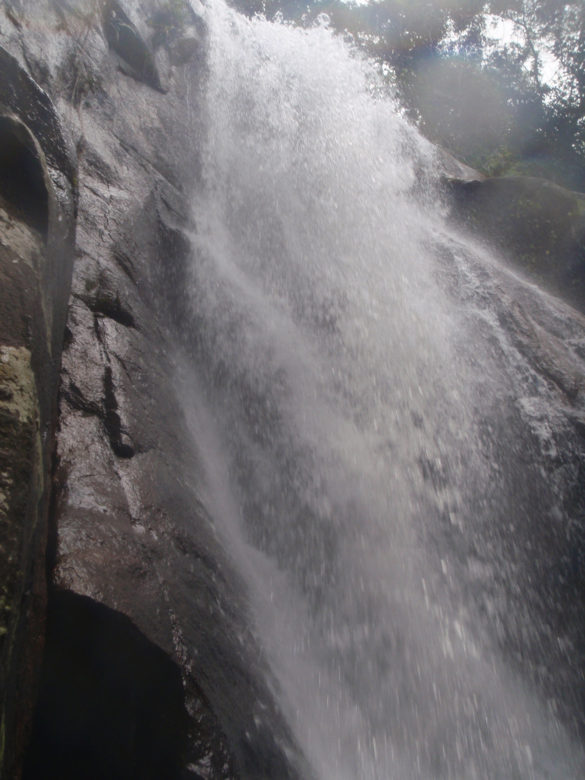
(99, 122)
(150, 669)
(37, 223)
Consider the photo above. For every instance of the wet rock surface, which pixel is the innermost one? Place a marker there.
(136, 58)
(539, 623)
(101, 104)
(129, 535)
(37, 206)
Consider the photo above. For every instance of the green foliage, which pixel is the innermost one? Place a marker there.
(496, 162)
(549, 32)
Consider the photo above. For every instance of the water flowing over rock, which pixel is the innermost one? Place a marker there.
(317, 486)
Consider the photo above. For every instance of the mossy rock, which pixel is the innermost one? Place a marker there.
(20, 462)
(37, 221)
(21, 518)
(537, 225)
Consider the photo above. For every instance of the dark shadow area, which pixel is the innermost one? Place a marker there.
(22, 184)
(113, 424)
(111, 704)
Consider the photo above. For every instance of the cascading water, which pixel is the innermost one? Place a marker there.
(378, 445)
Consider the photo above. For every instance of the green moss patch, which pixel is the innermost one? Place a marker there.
(20, 473)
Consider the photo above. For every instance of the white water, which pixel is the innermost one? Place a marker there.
(345, 340)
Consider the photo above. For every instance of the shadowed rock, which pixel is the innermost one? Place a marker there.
(37, 207)
(111, 702)
(22, 180)
(136, 58)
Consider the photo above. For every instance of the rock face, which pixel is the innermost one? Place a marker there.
(150, 668)
(536, 224)
(37, 210)
(134, 54)
(111, 702)
(134, 558)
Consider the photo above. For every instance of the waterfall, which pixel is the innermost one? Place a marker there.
(379, 445)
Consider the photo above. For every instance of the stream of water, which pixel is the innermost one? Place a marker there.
(380, 451)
